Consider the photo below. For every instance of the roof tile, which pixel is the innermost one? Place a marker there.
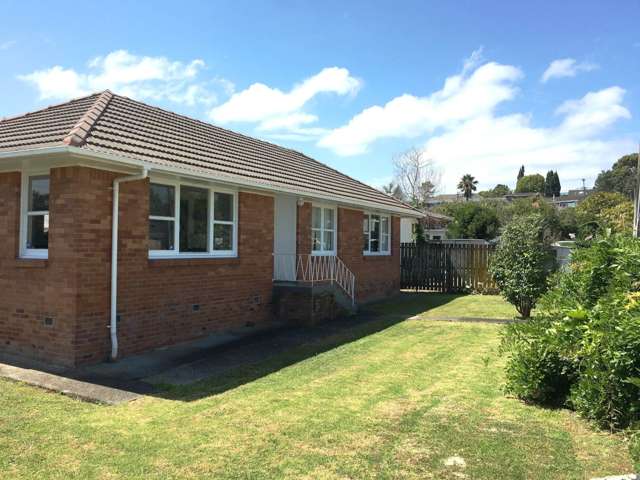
(109, 123)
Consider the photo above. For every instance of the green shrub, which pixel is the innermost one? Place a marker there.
(536, 372)
(522, 262)
(473, 220)
(582, 348)
(634, 448)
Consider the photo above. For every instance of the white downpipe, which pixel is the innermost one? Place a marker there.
(113, 326)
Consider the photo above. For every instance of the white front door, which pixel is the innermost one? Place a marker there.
(284, 247)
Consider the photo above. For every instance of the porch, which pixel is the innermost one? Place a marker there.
(312, 288)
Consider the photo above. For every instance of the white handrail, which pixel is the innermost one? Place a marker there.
(313, 269)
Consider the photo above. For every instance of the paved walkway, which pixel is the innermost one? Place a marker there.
(74, 388)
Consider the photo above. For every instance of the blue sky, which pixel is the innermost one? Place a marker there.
(481, 87)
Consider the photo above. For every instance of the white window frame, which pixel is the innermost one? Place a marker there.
(210, 253)
(322, 230)
(379, 253)
(26, 175)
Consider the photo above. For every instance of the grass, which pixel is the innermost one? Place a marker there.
(448, 305)
(387, 399)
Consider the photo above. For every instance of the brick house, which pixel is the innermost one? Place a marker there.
(204, 224)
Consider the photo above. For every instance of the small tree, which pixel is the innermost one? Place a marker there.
(520, 172)
(418, 234)
(531, 184)
(522, 262)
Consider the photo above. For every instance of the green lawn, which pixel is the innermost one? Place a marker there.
(444, 305)
(388, 399)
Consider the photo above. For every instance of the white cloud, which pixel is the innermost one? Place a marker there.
(566, 67)
(7, 45)
(468, 136)
(493, 148)
(274, 110)
(462, 97)
(141, 77)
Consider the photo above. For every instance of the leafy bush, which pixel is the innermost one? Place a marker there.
(472, 220)
(522, 262)
(582, 349)
(607, 210)
(538, 373)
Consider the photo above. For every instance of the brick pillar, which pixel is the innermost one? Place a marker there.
(303, 235)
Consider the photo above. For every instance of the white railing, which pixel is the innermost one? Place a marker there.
(314, 269)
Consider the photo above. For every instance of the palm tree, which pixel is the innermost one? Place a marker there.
(467, 186)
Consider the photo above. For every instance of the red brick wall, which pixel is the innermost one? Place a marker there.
(155, 296)
(32, 290)
(377, 277)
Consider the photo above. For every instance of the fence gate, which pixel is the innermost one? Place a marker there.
(445, 266)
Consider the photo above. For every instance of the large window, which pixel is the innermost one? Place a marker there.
(35, 216)
(323, 230)
(191, 221)
(376, 234)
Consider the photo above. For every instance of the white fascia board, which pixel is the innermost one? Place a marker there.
(122, 160)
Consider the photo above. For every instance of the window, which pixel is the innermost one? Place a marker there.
(323, 230)
(223, 221)
(191, 221)
(35, 218)
(376, 234)
(162, 221)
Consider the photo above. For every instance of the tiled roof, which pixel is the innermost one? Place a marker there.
(112, 124)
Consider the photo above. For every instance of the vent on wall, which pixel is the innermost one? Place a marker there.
(48, 321)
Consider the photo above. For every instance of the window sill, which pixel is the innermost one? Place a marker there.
(31, 262)
(372, 256)
(160, 262)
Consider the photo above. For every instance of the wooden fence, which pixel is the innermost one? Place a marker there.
(446, 266)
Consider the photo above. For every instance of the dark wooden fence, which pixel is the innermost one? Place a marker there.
(446, 266)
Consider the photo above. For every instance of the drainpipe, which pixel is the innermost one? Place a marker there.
(113, 326)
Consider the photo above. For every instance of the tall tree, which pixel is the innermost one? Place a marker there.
(416, 176)
(468, 185)
(521, 172)
(549, 184)
(557, 187)
(621, 177)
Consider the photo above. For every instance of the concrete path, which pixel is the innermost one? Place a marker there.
(74, 388)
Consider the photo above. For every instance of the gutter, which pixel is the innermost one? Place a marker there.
(407, 212)
(113, 325)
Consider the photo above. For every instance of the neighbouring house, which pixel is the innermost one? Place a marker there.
(126, 228)
(571, 199)
(434, 227)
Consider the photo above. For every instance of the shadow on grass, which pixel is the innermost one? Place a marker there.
(214, 370)
(301, 344)
(412, 303)
(290, 346)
